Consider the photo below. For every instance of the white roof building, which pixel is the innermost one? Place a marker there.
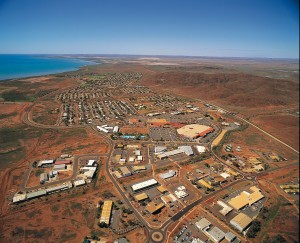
(168, 174)
(187, 150)
(131, 159)
(215, 234)
(140, 158)
(225, 175)
(137, 152)
(203, 224)
(144, 184)
(159, 149)
(181, 194)
(79, 182)
(116, 129)
(91, 162)
(19, 198)
(201, 149)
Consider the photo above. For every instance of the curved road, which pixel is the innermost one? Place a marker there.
(162, 230)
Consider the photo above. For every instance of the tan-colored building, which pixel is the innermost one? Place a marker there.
(106, 212)
(194, 130)
(246, 198)
(141, 197)
(241, 221)
(153, 208)
(162, 189)
(205, 184)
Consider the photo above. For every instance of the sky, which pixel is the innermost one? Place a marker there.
(219, 28)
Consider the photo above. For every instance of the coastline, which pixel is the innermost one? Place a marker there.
(52, 72)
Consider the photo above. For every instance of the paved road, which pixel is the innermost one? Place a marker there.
(163, 228)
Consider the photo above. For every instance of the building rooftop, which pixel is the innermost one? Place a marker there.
(141, 196)
(194, 130)
(106, 211)
(245, 198)
(144, 184)
(153, 207)
(203, 223)
(241, 221)
(162, 189)
(167, 174)
(216, 234)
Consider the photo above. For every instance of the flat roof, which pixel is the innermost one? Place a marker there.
(138, 167)
(141, 196)
(162, 189)
(125, 170)
(152, 207)
(216, 234)
(203, 223)
(168, 198)
(241, 221)
(205, 184)
(168, 174)
(194, 130)
(144, 184)
(106, 211)
(245, 198)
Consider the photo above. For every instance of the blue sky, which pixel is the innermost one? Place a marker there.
(224, 28)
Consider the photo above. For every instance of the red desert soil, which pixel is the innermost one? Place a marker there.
(284, 127)
(236, 89)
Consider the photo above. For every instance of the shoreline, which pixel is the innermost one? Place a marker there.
(46, 73)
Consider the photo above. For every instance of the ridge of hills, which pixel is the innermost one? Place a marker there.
(240, 89)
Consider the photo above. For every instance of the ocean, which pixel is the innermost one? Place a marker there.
(22, 66)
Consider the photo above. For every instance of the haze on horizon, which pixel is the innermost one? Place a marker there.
(232, 28)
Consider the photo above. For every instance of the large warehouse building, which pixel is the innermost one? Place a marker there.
(241, 221)
(143, 185)
(106, 212)
(193, 131)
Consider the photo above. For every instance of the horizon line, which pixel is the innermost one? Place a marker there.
(150, 55)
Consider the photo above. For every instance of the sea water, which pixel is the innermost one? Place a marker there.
(21, 66)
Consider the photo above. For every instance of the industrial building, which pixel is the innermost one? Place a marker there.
(34, 194)
(230, 237)
(169, 198)
(225, 208)
(245, 198)
(215, 234)
(160, 149)
(181, 149)
(59, 167)
(141, 197)
(79, 182)
(168, 174)
(181, 192)
(138, 168)
(205, 184)
(43, 178)
(201, 149)
(203, 224)
(46, 163)
(241, 221)
(143, 185)
(153, 208)
(116, 129)
(61, 187)
(63, 161)
(106, 212)
(125, 171)
(162, 189)
(193, 131)
(19, 198)
(89, 172)
(91, 162)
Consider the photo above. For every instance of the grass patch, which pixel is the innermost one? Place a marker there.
(3, 116)
(55, 208)
(38, 172)
(16, 96)
(75, 206)
(67, 236)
